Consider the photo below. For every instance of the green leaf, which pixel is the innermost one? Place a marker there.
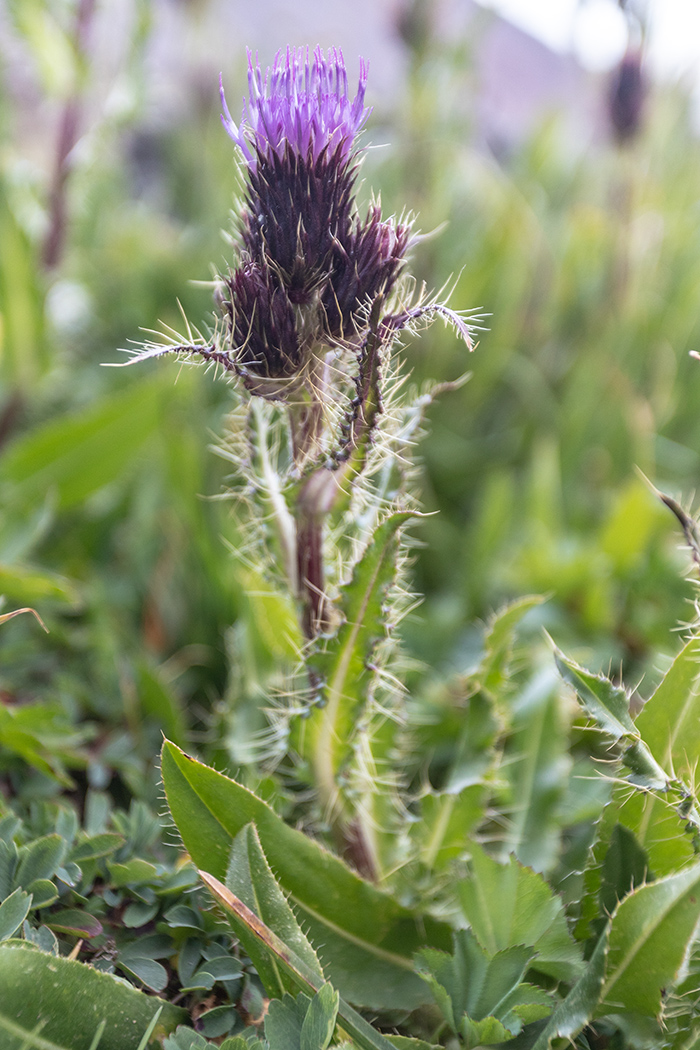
(13, 911)
(43, 892)
(9, 858)
(81, 453)
(162, 704)
(575, 1012)
(665, 837)
(284, 1020)
(221, 968)
(509, 904)
(132, 871)
(477, 992)
(75, 922)
(608, 705)
(625, 866)
(669, 722)
(218, 1021)
(536, 763)
(326, 736)
(92, 847)
(366, 1037)
(446, 821)
(69, 1000)
(148, 971)
(22, 337)
(302, 1023)
(40, 859)
(250, 879)
(319, 1023)
(30, 586)
(365, 939)
(650, 934)
(494, 670)
(138, 913)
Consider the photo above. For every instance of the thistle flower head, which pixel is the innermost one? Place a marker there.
(301, 105)
(310, 271)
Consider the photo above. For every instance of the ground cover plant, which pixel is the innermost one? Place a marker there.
(357, 849)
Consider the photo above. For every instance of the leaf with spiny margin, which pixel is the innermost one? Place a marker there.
(659, 831)
(479, 994)
(579, 1007)
(494, 669)
(70, 1000)
(651, 933)
(669, 722)
(665, 835)
(608, 705)
(366, 1037)
(325, 736)
(364, 937)
(249, 877)
(509, 904)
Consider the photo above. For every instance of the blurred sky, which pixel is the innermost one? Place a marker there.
(596, 31)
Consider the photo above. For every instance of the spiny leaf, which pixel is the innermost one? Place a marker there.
(250, 879)
(536, 761)
(500, 636)
(325, 737)
(364, 938)
(608, 705)
(669, 722)
(650, 935)
(356, 1027)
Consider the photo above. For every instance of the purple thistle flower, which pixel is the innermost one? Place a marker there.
(310, 271)
(316, 264)
(299, 106)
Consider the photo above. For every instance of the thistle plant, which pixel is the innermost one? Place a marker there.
(462, 896)
(307, 321)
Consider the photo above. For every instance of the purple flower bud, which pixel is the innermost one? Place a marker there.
(263, 329)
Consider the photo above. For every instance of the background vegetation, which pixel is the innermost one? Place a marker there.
(113, 528)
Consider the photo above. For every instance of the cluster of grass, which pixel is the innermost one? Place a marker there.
(112, 529)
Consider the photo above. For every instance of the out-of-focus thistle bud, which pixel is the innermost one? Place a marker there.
(626, 96)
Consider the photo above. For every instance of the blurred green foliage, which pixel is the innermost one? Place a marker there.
(113, 530)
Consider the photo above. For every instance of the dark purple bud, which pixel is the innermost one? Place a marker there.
(262, 330)
(626, 97)
(368, 263)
